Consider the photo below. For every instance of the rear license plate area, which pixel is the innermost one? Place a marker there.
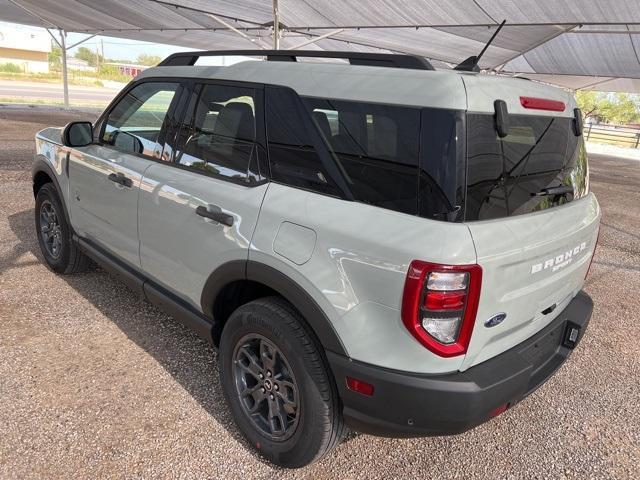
(539, 352)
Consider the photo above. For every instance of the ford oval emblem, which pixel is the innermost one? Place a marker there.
(497, 319)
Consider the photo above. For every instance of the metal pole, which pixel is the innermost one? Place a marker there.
(317, 39)
(65, 80)
(589, 132)
(276, 26)
(233, 29)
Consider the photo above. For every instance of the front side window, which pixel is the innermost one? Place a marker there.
(220, 138)
(134, 124)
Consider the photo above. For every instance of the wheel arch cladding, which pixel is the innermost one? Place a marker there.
(40, 178)
(263, 280)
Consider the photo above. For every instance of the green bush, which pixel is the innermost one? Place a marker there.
(10, 68)
(111, 72)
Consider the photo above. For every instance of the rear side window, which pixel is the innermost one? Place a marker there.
(220, 138)
(134, 124)
(294, 152)
(402, 158)
(510, 176)
(376, 146)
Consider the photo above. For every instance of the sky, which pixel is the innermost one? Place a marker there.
(115, 48)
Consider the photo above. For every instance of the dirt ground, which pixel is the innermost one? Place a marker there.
(96, 383)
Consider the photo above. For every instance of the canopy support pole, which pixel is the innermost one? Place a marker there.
(233, 29)
(317, 39)
(276, 26)
(81, 41)
(65, 78)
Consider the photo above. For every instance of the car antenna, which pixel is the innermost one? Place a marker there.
(471, 63)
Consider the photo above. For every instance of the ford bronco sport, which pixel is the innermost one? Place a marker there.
(374, 244)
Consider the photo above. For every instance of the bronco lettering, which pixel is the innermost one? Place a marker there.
(559, 261)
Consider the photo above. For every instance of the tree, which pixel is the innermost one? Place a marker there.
(588, 102)
(55, 57)
(89, 56)
(618, 108)
(145, 59)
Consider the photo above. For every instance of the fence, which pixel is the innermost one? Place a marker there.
(623, 136)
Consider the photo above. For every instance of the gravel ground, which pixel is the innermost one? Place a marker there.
(95, 383)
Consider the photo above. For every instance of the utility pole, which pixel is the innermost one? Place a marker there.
(276, 26)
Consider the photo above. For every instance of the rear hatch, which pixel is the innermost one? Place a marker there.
(533, 222)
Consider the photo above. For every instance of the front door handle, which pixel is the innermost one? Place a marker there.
(120, 179)
(218, 216)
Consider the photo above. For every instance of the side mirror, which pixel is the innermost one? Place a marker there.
(77, 134)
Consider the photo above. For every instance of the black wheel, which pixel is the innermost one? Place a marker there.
(278, 385)
(54, 233)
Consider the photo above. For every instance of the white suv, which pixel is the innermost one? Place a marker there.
(373, 243)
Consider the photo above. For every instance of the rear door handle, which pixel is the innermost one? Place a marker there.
(120, 179)
(218, 216)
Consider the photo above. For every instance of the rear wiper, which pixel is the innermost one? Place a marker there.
(560, 190)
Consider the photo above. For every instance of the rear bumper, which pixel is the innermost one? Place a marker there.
(407, 405)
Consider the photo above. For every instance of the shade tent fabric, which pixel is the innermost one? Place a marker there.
(574, 43)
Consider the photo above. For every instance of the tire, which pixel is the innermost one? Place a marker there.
(55, 235)
(315, 426)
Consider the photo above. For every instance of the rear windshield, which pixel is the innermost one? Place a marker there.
(538, 165)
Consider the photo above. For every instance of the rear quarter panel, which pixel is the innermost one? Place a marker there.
(357, 268)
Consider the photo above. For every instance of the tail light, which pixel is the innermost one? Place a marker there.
(439, 305)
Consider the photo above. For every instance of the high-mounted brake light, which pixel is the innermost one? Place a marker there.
(542, 104)
(439, 305)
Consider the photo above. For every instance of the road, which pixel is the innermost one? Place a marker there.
(38, 92)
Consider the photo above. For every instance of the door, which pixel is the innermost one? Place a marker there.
(200, 210)
(105, 176)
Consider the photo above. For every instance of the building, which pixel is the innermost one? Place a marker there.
(28, 50)
(74, 63)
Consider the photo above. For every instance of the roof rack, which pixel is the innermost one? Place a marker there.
(355, 58)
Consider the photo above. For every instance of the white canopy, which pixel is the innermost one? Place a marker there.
(591, 44)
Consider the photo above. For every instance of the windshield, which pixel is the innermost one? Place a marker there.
(538, 165)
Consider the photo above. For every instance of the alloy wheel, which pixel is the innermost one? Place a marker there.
(50, 229)
(266, 387)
